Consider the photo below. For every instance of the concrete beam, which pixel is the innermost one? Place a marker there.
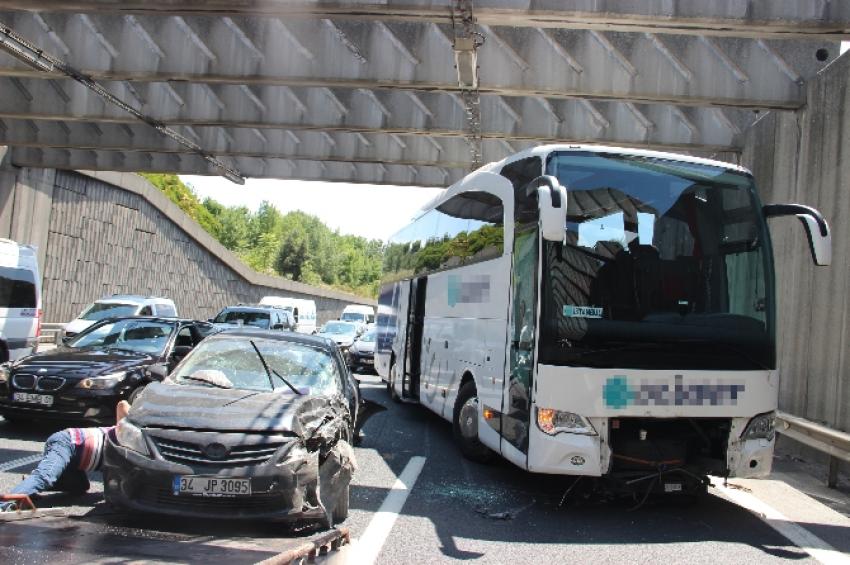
(743, 18)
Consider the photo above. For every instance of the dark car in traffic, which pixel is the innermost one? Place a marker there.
(84, 378)
(261, 317)
(250, 425)
(361, 354)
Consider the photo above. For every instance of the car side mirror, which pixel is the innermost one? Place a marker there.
(66, 339)
(277, 327)
(158, 371)
(552, 203)
(210, 320)
(817, 229)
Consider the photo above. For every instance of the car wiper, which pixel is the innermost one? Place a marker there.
(205, 381)
(270, 371)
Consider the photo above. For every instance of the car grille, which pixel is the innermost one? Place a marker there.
(262, 502)
(188, 453)
(49, 384)
(25, 382)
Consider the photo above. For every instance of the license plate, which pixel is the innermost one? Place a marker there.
(30, 398)
(210, 486)
(672, 487)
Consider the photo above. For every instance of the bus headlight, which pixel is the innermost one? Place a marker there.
(761, 427)
(553, 422)
(131, 437)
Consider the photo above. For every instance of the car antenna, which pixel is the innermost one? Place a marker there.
(269, 371)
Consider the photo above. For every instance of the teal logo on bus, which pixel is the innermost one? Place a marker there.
(474, 290)
(618, 393)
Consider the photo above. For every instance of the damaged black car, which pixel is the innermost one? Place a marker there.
(252, 424)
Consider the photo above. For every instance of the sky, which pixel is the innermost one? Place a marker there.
(370, 211)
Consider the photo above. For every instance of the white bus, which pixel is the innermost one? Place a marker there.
(596, 311)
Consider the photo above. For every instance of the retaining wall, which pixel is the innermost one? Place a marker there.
(804, 157)
(108, 233)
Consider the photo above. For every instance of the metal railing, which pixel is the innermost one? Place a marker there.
(50, 333)
(834, 443)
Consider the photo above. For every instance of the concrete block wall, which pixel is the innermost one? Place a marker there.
(804, 157)
(107, 233)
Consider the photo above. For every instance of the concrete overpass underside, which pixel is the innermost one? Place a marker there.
(400, 92)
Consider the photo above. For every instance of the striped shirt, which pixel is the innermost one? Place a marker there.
(88, 446)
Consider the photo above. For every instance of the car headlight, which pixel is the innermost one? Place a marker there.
(553, 422)
(103, 382)
(4, 373)
(131, 437)
(761, 427)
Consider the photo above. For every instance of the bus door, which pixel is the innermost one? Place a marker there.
(413, 343)
(516, 402)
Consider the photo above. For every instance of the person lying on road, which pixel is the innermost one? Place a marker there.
(68, 455)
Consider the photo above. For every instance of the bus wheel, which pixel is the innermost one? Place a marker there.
(466, 425)
(390, 381)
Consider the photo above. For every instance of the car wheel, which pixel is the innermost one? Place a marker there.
(465, 425)
(135, 394)
(340, 512)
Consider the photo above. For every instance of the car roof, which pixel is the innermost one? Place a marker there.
(303, 339)
(153, 319)
(264, 309)
(133, 299)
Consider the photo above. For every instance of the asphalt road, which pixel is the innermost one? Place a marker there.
(457, 510)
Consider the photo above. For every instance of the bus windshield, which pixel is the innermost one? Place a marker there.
(666, 266)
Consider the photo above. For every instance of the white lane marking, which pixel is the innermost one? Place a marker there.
(796, 534)
(15, 463)
(372, 541)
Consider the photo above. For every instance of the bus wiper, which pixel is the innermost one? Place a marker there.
(270, 371)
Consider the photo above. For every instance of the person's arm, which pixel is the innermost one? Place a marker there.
(121, 410)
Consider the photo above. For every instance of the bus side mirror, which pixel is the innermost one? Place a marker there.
(817, 230)
(552, 201)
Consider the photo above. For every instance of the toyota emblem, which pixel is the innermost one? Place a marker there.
(216, 451)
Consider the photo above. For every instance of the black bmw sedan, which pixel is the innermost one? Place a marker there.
(84, 378)
(252, 424)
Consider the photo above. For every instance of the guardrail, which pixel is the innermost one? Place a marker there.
(50, 332)
(834, 443)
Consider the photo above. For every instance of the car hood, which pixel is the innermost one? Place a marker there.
(365, 346)
(339, 338)
(69, 362)
(167, 405)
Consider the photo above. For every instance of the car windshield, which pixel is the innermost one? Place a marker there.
(247, 318)
(368, 337)
(232, 362)
(354, 317)
(339, 328)
(102, 310)
(141, 336)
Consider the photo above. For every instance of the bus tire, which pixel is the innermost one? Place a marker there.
(465, 425)
(391, 384)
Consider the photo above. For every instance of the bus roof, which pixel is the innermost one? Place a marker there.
(541, 150)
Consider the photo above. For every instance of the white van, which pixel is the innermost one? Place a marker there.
(303, 310)
(358, 313)
(121, 305)
(20, 300)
